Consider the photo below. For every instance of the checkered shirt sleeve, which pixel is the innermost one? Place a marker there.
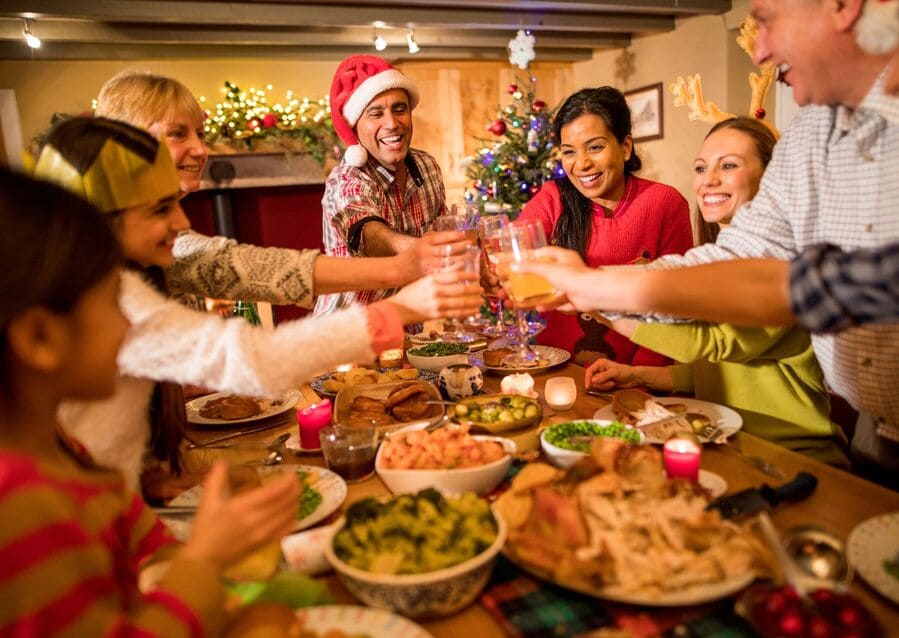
(831, 290)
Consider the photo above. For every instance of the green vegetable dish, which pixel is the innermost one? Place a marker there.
(439, 349)
(415, 533)
(504, 410)
(310, 498)
(560, 435)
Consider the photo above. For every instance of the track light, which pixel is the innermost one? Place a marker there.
(30, 39)
(380, 42)
(410, 40)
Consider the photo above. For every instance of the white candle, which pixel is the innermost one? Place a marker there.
(560, 393)
(518, 384)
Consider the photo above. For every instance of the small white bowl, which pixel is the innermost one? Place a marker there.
(560, 457)
(434, 364)
(479, 479)
(429, 595)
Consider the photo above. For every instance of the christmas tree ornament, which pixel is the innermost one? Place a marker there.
(518, 95)
(533, 142)
(538, 106)
(269, 120)
(498, 127)
(513, 89)
(521, 49)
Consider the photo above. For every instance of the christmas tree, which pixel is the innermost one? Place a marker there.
(509, 169)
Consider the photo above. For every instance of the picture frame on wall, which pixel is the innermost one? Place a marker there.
(646, 112)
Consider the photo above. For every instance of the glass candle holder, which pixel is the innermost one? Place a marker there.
(311, 420)
(682, 453)
(392, 358)
(560, 393)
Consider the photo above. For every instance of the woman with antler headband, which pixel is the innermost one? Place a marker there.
(606, 213)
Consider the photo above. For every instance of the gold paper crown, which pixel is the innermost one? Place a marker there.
(688, 92)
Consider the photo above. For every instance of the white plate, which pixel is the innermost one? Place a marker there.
(318, 383)
(293, 443)
(422, 339)
(353, 620)
(728, 420)
(329, 485)
(872, 542)
(554, 357)
(269, 408)
(714, 483)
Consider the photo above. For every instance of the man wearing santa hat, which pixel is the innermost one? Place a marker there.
(383, 195)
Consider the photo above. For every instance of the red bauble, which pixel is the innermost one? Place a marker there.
(497, 128)
(538, 106)
(513, 88)
(269, 120)
(760, 114)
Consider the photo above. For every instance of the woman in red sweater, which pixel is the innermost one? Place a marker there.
(605, 213)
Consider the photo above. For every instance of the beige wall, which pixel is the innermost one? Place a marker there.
(43, 88)
(704, 45)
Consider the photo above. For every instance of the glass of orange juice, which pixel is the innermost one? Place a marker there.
(519, 243)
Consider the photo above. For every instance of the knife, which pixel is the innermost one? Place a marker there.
(754, 500)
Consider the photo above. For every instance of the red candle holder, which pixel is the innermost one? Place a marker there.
(682, 453)
(311, 420)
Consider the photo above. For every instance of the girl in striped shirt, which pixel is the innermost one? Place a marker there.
(73, 537)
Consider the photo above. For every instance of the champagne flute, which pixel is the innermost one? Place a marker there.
(471, 213)
(489, 229)
(518, 243)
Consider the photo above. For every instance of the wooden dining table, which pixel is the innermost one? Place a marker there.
(840, 502)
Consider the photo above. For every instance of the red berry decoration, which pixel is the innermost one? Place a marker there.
(513, 88)
(760, 114)
(497, 128)
(819, 628)
(776, 603)
(822, 596)
(269, 120)
(538, 106)
(792, 623)
(849, 617)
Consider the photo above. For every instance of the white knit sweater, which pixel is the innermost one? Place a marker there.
(170, 342)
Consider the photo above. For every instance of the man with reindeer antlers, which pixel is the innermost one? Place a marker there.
(832, 180)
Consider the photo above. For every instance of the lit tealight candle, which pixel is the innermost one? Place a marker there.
(344, 367)
(682, 453)
(560, 393)
(311, 420)
(518, 384)
(392, 358)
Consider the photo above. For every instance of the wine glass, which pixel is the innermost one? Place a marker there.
(489, 229)
(471, 213)
(518, 244)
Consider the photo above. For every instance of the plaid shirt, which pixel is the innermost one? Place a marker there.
(832, 179)
(832, 290)
(355, 196)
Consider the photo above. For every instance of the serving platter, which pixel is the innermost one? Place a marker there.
(870, 544)
(380, 391)
(693, 595)
(318, 383)
(270, 407)
(550, 357)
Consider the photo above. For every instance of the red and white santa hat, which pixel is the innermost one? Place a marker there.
(357, 81)
(877, 30)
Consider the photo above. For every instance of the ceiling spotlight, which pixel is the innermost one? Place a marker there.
(410, 40)
(30, 39)
(380, 42)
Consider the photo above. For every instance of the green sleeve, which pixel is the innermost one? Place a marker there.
(712, 342)
(683, 378)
